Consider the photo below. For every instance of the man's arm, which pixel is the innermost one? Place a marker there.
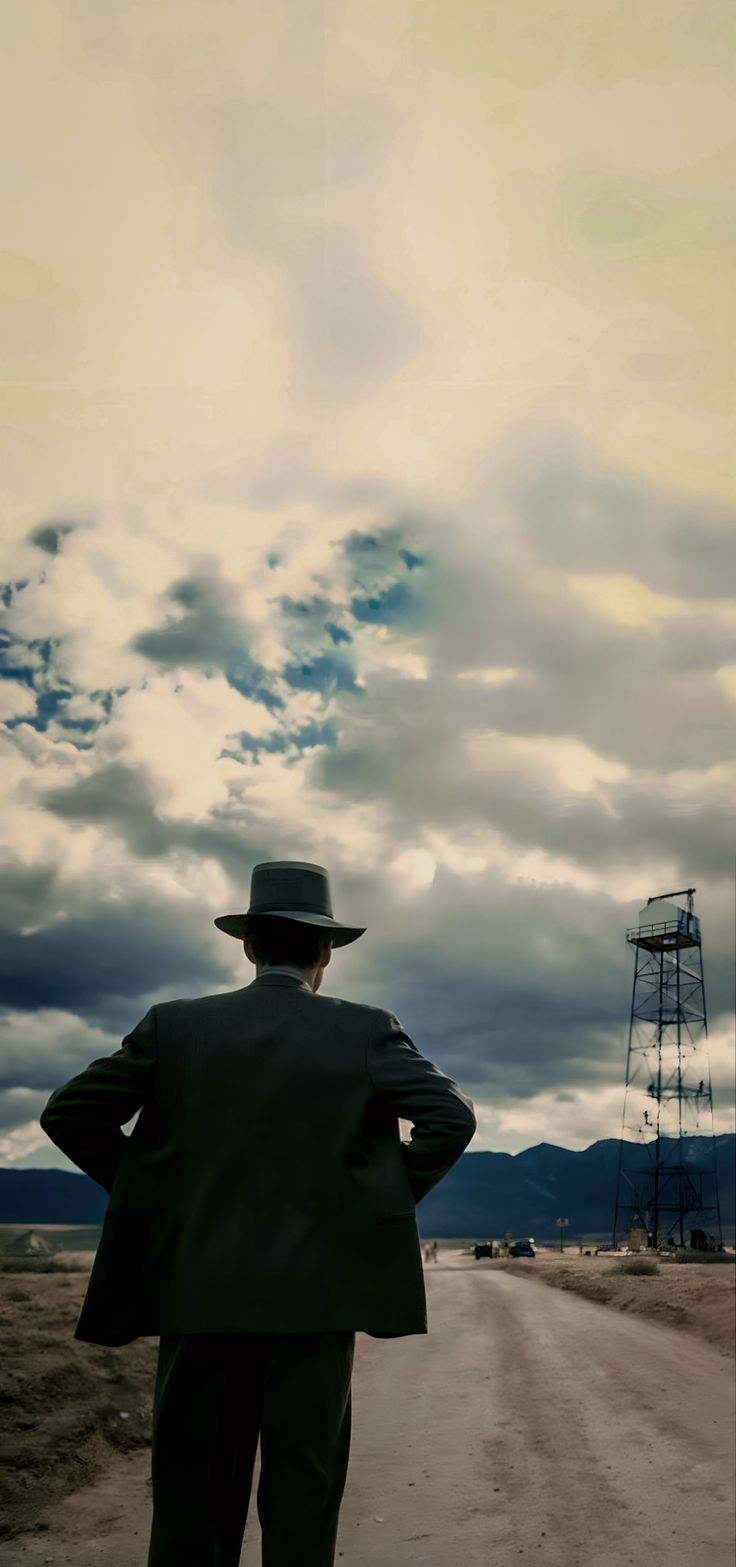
(84, 1117)
(443, 1116)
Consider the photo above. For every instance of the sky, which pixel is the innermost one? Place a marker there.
(367, 499)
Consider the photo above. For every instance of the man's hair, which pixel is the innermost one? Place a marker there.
(276, 940)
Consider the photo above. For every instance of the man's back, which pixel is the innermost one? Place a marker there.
(264, 1187)
(261, 1213)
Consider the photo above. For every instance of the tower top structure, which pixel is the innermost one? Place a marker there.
(664, 924)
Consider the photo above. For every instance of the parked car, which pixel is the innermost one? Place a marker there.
(522, 1249)
(483, 1249)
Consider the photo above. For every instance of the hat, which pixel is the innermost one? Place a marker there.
(290, 890)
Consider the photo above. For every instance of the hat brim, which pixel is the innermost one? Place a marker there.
(237, 924)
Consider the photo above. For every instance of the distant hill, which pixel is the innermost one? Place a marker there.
(484, 1194)
(50, 1197)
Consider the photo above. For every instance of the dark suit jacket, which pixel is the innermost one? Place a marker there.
(264, 1187)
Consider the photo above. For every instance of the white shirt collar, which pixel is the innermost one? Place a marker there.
(285, 968)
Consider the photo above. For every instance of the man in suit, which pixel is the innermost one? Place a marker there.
(261, 1212)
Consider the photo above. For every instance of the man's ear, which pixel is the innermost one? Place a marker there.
(326, 955)
(248, 950)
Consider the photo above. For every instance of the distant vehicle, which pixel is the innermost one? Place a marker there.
(522, 1249)
(484, 1249)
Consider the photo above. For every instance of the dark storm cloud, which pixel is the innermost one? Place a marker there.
(410, 754)
(513, 989)
(26, 893)
(48, 536)
(121, 799)
(78, 969)
(337, 633)
(118, 797)
(208, 635)
(33, 1060)
(99, 958)
(19, 1105)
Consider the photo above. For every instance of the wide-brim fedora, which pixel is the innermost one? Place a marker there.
(290, 890)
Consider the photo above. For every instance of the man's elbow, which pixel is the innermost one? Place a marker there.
(471, 1124)
(50, 1116)
(465, 1123)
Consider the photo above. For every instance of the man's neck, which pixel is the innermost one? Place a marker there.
(306, 974)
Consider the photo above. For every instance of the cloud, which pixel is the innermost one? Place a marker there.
(99, 959)
(354, 329)
(499, 794)
(48, 536)
(381, 522)
(584, 517)
(16, 700)
(39, 1051)
(207, 635)
(327, 673)
(42, 1048)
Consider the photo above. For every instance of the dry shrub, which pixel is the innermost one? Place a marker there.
(58, 1264)
(644, 1267)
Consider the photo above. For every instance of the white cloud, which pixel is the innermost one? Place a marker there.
(726, 678)
(566, 763)
(15, 700)
(175, 729)
(489, 676)
(629, 602)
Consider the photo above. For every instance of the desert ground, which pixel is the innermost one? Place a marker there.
(699, 1298)
(530, 1422)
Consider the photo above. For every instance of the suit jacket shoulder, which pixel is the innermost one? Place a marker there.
(343, 1011)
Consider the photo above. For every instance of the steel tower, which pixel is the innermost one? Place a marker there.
(666, 1185)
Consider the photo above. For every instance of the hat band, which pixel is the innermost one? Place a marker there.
(296, 903)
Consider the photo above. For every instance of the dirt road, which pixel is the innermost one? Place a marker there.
(527, 1425)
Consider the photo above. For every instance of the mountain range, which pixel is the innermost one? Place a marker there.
(483, 1196)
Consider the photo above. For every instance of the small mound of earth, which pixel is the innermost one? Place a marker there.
(66, 1407)
(29, 1244)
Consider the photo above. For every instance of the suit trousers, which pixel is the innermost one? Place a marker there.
(215, 1396)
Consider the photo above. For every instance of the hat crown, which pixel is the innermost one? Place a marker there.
(290, 885)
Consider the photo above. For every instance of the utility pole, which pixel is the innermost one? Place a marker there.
(562, 1226)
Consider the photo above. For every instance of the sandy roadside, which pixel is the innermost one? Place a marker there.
(697, 1298)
